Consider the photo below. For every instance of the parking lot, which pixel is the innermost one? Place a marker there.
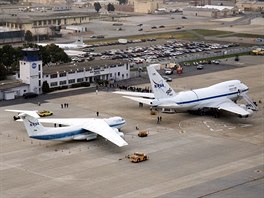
(190, 156)
(146, 51)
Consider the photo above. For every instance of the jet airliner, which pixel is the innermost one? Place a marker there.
(222, 96)
(73, 128)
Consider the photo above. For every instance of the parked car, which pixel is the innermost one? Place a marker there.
(45, 113)
(199, 67)
(168, 71)
(167, 79)
(30, 95)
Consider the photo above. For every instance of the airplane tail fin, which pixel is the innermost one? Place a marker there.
(30, 119)
(160, 87)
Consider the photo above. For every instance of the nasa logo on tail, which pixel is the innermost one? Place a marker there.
(33, 124)
(158, 85)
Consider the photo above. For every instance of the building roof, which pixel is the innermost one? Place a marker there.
(216, 7)
(47, 16)
(209, 8)
(9, 84)
(96, 64)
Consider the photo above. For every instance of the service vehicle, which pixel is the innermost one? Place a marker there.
(138, 157)
(143, 133)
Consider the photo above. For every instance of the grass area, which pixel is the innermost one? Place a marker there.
(218, 57)
(244, 35)
(204, 32)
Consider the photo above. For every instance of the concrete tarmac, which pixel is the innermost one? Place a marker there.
(190, 156)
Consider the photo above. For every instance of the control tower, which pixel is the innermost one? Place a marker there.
(31, 69)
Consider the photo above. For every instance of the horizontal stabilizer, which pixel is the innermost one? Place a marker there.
(137, 94)
(21, 112)
(138, 99)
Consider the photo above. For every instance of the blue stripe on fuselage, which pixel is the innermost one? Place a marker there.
(58, 135)
(209, 98)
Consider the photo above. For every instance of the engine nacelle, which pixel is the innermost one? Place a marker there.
(246, 108)
(118, 133)
(155, 103)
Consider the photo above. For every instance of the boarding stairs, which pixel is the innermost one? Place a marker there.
(250, 104)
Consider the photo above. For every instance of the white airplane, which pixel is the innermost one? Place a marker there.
(73, 128)
(78, 44)
(75, 53)
(221, 96)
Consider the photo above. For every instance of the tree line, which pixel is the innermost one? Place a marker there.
(10, 56)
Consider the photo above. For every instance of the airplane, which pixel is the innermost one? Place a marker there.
(75, 53)
(78, 44)
(218, 97)
(72, 128)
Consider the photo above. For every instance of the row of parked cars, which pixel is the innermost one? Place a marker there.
(152, 53)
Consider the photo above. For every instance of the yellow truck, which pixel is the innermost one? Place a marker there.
(138, 157)
(143, 133)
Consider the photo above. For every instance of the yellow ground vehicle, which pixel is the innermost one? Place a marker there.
(45, 113)
(138, 157)
(143, 133)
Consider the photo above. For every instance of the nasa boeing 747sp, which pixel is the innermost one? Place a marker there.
(222, 96)
(73, 128)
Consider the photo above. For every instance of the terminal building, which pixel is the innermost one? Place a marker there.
(32, 74)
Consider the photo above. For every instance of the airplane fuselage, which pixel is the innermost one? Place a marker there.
(75, 132)
(195, 99)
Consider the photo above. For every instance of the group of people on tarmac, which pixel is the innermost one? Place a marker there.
(65, 105)
(135, 89)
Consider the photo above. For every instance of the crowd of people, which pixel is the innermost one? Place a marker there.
(135, 89)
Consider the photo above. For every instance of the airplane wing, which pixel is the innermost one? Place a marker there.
(138, 99)
(98, 126)
(230, 106)
(137, 94)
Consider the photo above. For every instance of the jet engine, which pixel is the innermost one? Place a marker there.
(246, 108)
(119, 133)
